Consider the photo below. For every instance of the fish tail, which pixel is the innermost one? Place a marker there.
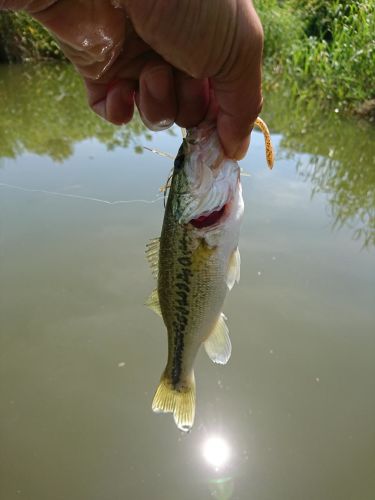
(177, 400)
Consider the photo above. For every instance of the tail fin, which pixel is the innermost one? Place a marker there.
(180, 402)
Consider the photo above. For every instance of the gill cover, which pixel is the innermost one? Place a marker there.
(211, 178)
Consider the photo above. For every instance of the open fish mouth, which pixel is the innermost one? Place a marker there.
(210, 193)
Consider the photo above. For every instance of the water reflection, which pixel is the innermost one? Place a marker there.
(222, 488)
(340, 161)
(217, 453)
(44, 111)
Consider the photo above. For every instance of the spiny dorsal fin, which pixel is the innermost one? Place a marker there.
(152, 255)
(218, 345)
(153, 302)
(234, 265)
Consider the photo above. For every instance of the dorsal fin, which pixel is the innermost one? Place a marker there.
(152, 254)
(218, 345)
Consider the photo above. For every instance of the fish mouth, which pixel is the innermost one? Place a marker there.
(210, 219)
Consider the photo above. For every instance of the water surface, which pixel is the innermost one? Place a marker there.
(80, 356)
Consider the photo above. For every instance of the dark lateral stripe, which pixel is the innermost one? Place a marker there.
(181, 305)
(177, 356)
(181, 301)
(180, 158)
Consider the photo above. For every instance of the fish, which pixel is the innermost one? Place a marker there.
(195, 262)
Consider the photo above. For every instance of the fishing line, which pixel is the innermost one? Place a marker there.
(158, 152)
(79, 197)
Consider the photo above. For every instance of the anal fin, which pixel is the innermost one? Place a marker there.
(218, 345)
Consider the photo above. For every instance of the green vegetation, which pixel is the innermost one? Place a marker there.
(23, 39)
(322, 51)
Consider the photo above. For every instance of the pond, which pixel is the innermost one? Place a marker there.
(292, 416)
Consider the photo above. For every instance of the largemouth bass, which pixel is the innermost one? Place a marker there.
(196, 261)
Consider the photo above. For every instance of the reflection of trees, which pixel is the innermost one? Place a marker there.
(341, 162)
(43, 110)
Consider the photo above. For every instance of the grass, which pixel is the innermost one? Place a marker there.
(324, 51)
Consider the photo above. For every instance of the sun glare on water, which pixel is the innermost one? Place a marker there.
(216, 451)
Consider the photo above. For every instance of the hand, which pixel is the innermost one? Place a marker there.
(165, 54)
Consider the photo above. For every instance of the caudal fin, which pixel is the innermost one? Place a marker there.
(180, 402)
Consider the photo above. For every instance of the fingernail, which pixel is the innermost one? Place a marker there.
(159, 83)
(100, 109)
(158, 126)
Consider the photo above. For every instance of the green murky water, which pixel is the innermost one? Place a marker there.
(80, 356)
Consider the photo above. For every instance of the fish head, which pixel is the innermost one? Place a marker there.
(206, 185)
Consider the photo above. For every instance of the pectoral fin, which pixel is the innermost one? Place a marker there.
(153, 302)
(218, 345)
(233, 273)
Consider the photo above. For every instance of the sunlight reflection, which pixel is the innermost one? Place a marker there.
(216, 451)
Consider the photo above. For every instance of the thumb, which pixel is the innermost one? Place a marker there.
(238, 86)
(239, 104)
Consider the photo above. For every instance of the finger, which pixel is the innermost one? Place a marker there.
(192, 99)
(239, 105)
(238, 85)
(156, 99)
(113, 102)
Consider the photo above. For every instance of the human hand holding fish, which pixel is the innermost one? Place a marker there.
(164, 55)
